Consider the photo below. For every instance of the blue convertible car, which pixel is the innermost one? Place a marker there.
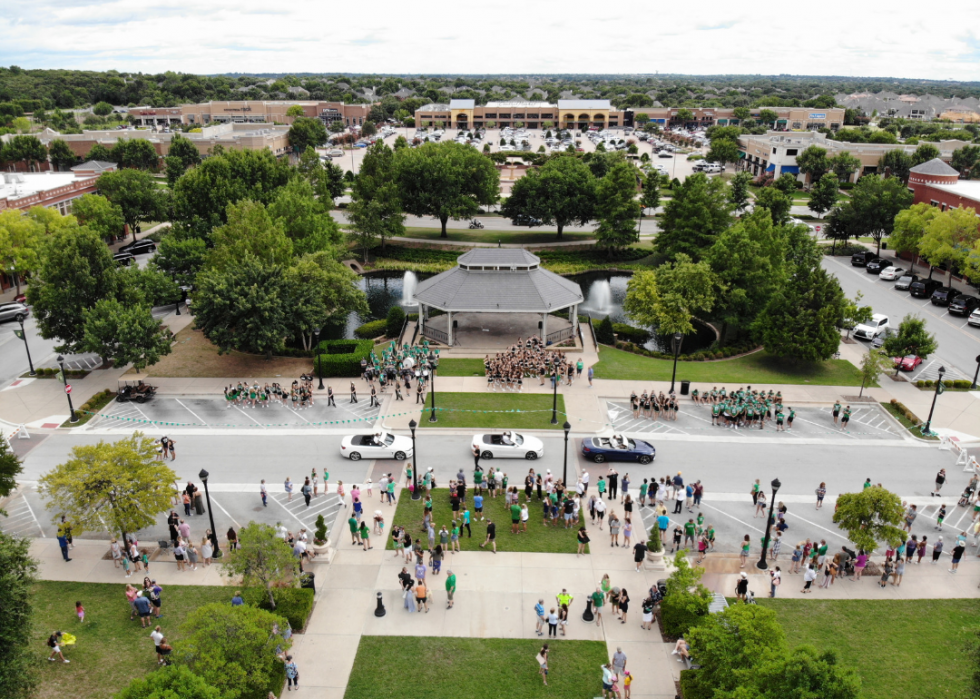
(618, 448)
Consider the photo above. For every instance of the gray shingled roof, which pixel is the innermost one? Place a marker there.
(523, 291)
(498, 256)
(934, 167)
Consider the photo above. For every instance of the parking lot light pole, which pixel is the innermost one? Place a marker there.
(554, 399)
(939, 389)
(316, 354)
(61, 362)
(564, 467)
(973, 386)
(30, 362)
(416, 495)
(678, 338)
(203, 475)
(762, 565)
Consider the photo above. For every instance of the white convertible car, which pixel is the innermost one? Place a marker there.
(380, 445)
(508, 445)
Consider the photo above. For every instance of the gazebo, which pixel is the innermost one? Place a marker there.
(506, 282)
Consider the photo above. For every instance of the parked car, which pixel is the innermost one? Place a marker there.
(861, 259)
(525, 220)
(890, 274)
(665, 154)
(876, 265)
(878, 325)
(335, 153)
(974, 318)
(508, 445)
(908, 362)
(617, 448)
(943, 295)
(963, 305)
(923, 288)
(124, 259)
(139, 247)
(381, 445)
(13, 311)
(906, 281)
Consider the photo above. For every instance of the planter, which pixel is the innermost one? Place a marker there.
(322, 550)
(656, 560)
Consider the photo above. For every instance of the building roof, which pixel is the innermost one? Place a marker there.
(968, 189)
(17, 185)
(522, 104)
(584, 104)
(462, 104)
(934, 167)
(96, 165)
(434, 107)
(512, 291)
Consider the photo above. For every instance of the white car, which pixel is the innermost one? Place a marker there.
(878, 325)
(379, 445)
(892, 273)
(508, 445)
(974, 318)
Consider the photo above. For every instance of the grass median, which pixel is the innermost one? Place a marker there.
(513, 411)
(756, 368)
(898, 647)
(387, 667)
(539, 538)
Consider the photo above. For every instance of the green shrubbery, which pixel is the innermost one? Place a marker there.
(604, 332)
(394, 322)
(372, 329)
(956, 383)
(630, 333)
(295, 604)
(700, 356)
(686, 601)
(842, 250)
(342, 357)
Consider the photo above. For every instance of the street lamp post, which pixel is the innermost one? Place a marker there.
(678, 338)
(564, 468)
(203, 475)
(554, 398)
(179, 296)
(433, 365)
(30, 362)
(316, 354)
(939, 388)
(973, 386)
(71, 408)
(416, 495)
(762, 565)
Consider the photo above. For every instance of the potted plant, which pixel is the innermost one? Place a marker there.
(321, 545)
(655, 549)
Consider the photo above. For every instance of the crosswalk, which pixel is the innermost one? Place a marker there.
(296, 514)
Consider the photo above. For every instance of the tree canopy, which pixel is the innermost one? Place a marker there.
(375, 210)
(136, 194)
(616, 209)
(871, 516)
(559, 193)
(695, 216)
(18, 660)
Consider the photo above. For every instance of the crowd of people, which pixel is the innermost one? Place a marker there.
(526, 360)
(298, 395)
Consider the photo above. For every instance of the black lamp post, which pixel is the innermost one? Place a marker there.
(678, 339)
(564, 468)
(976, 374)
(203, 475)
(939, 389)
(316, 353)
(30, 362)
(762, 565)
(71, 408)
(416, 495)
(179, 295)
(554, 398)
(433, 365)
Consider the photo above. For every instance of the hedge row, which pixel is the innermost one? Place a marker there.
(372, 329)
(342, 357)
(70, 373)
(909, 415)
(293, 603)
(631, 333)
(957, 383)
(701, 356)
(843, 250)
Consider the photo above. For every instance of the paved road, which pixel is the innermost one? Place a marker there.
(959, 344)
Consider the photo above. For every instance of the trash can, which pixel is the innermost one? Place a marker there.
(199, 503)
(685, 387)
(306, 581)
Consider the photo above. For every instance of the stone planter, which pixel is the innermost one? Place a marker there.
(323, 551)
(656, 560)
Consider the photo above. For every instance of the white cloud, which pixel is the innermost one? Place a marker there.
(248, 36)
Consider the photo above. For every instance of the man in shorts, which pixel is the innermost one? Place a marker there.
(539, 612)
(597, 601)
(142, 605)
(569, 512)
(450, 588)
(515, 518)
(491, 536)
(478, 506)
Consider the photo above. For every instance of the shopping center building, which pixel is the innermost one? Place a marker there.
(249, 112)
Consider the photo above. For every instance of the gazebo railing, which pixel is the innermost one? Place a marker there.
(435, 334)
(560, 335)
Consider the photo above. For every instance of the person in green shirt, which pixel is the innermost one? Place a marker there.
(408, 476)
(564, 598)
(450, 587)
(601, 485)
(391, 491)
(643, 493)
(789, 419)
(715, 412)
(365, 534)
(597, 600)
(478, 480)
(845, 418)
(515, 518)
(352, 523)
(779, 420)
(690, 529)
(836, 411)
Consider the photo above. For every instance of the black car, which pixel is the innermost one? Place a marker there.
(124, 259)
(943, 295)
(877, 265)
(904, 282)
(923, 288)
(140, 247)
(860, 259)
(525, 220)
(963, 305)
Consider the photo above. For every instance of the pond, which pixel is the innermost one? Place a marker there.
(383, 290)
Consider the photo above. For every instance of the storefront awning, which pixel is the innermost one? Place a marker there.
(780, 121)
(771, 168)
(722, 121)
(741, 154)
(792, 169)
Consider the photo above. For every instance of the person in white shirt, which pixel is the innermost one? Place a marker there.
(157, 637)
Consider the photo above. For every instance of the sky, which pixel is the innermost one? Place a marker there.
(509, 36)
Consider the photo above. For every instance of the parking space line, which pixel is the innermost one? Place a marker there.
(704, 504)
(302, 523)
(34, 517)
(227, 514)
(205, 422)
(249, 416)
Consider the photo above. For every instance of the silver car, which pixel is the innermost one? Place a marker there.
(13, 311)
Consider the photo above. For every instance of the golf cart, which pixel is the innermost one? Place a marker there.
(134, 391)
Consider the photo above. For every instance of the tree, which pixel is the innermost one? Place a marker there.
(136, 153)
(738, 192)
(262, 559)
(741, 113)
(100, 153)
(560, 192)
(949, 237)
(244, 307)
(873, 205)
(24, 149)
(136, 194)
(873, 365)
(824, 194)
(111, 487)
(249, 233)
(170, 682)
(98, 214)
(326, 179)
(125, 335)
(641, 119)
(896, 163)
(10, 468)
(911, 338)
(844, 165)
(924, 153)
(337, 127)
(870, 516)
(234, 649)
(77, 270)
(394, 323)
(692, 220)
(684, 115)
(604, 333)
(616, 208)
(854, 313)
(723, 151)
(446, 180)
(305, 218)
(181, 156)
(965, 160)
(295, 111)
(180, 254)
(21, 243)
(320, 289)
(375, 210)
(687, 600)
(18, 660)
(650, 196)
(813, 162)
(368, 128)
(102, 109)
(910, 226)
(306, 132)
(767, 116)
(803, 672)
(61, 155)
(776, 203)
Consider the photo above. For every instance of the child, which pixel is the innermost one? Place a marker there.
(627, 681)
(940, 517)
(125, 565)
(677, 539)
(370, 487)
(80, 611)
(145, 558)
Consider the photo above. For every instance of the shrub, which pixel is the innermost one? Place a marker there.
(681, 608)
(371, 329)
(342, 357)
(396, 318)
(653, 541)
(292, 603)
(604, 332)
(633, 334)
(320, 532)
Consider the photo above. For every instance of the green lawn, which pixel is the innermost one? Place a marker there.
(461, 367)
(111, 650)
(909, 648)
(757, 368)
(393, 667)
(539, 537)
(494, 410)
(911, 426)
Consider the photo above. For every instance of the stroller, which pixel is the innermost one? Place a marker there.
(847, 562)
(967, 495)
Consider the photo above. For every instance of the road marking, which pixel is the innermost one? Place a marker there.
(34, 517)
(226, 513)
(302, 523)
(206, 424)
(297, 415)
(249, 416)
(704, 504)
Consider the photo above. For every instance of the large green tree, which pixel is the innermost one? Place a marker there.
(559, 193)
(24, 149)
(804, 673)
(136, 153)
(136, 194)
(966, 160)
(617, 209)
(723, 151)
(896, 163)
(824, 194)
(874, 204)
(21, 244)
(261, 559)
(446, 180)
(949, 238)
(61, 155)
(778, 204)
(18, 659)
(125, 334)
(912, 337)
(692, 220)
(813, 162)
(249, 233)
(181, 156)
(180, 254)
(844, 165)
(320, 289)
(924, 152)
(305, 218)
(910, 226)
(10, 468)
(326, 179)
(306, 132)
(738, 192)
(170, 682)
(871, 516)
(97, 213)
(375, 210)
(112, 487)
